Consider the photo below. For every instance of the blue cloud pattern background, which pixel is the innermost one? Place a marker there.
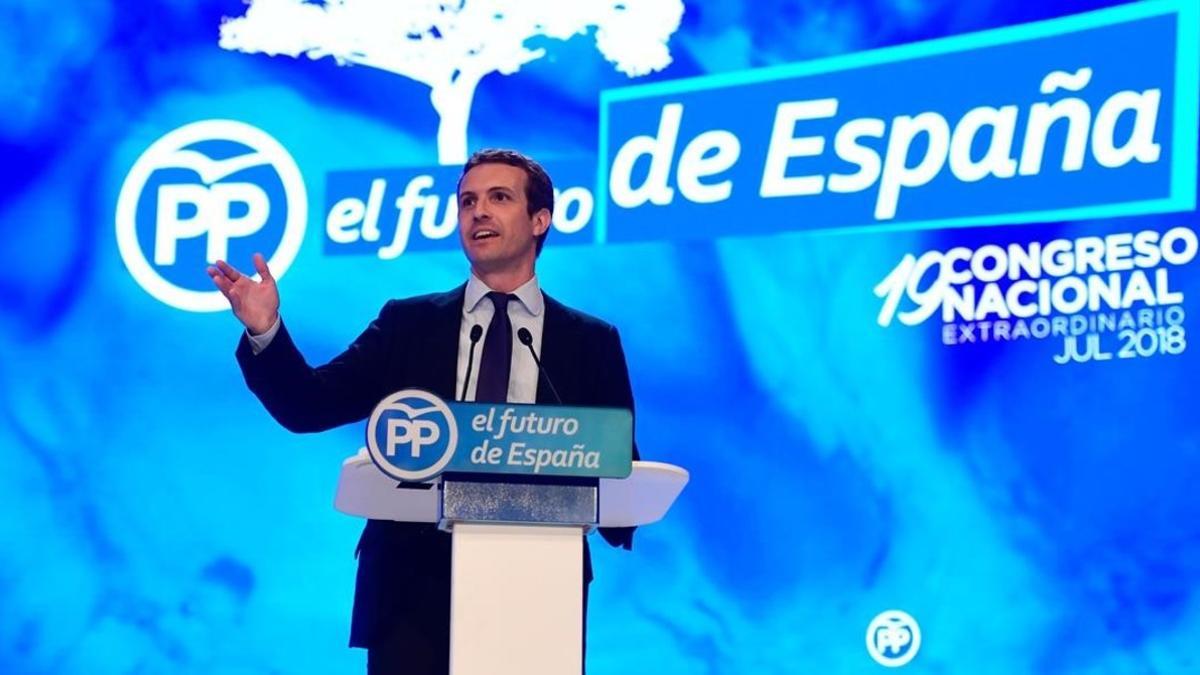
(1033, 518)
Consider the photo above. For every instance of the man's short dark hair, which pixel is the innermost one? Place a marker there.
(539, 191)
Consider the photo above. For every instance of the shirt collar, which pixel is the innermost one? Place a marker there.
(528, 293)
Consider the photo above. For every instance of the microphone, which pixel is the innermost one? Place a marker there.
(526, 339)
(476, 333)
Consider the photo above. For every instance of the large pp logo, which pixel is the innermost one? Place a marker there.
(893, 638)
(210, 190)
(412, 435)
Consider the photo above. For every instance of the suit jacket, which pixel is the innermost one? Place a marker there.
(402, 589)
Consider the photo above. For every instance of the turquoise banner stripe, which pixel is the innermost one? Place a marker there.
(413, 435)
(538, 440)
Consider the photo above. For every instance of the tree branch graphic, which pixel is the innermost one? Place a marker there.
(451, 46)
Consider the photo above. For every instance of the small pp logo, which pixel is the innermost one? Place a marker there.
(893, 638)
(411, 435)
(214, 189)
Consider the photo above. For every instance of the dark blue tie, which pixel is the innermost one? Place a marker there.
(494, 366)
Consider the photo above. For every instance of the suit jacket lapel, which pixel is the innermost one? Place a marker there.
(442, 355)
(556, 355)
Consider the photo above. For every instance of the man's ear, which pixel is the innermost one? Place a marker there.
(541, 222)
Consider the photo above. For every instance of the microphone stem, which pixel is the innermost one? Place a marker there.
(542, 372)
(470, 365)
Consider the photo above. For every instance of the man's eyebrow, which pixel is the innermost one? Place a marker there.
(493, 188)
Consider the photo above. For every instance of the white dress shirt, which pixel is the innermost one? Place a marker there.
(528, 312)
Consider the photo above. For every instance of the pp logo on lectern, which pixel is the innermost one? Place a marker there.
(411, 435)
(893, 638)
(209, 190)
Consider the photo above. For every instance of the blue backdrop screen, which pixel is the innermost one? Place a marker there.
(905, 286)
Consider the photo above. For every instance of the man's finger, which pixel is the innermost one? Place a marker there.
(228, 270)
(260, 264)
(224, 285)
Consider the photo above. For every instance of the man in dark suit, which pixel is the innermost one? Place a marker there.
(505, 202)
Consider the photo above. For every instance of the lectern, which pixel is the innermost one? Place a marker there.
(517, 538)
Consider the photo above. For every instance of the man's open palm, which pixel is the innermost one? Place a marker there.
(254, 303)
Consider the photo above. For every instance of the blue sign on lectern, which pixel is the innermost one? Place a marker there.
(413, 435)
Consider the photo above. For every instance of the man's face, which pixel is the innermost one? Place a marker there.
(494, 224)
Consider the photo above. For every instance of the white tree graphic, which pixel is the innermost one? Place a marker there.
(451, 46)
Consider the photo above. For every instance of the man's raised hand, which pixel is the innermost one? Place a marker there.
(254, 303)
